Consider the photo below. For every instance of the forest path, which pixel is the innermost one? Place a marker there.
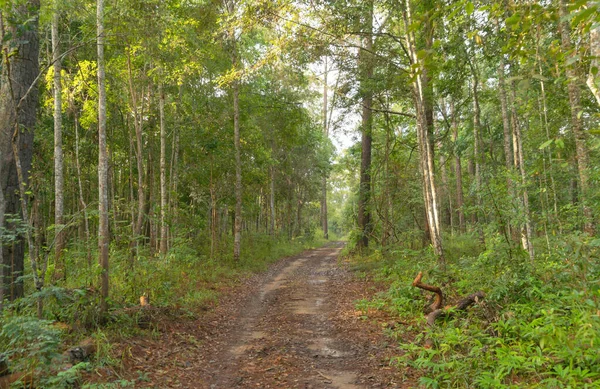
(294, 326)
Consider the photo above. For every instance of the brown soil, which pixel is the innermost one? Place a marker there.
(294, 326)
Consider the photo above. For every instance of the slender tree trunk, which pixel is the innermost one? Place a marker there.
(457, 171)
(58, 150)
(163, 173)
(81, 198)
(324, 223)
(103, 233)
(422, 93)
(272, 201)
(544, 114)
(214, 220)
(478, 154)
(579, 133)
(237, 239)
(364, 193)
(174, 163)
(138, 122)
(526, 230)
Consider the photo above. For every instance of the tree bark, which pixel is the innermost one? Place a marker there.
(526, 230)
(579, 133)
(88, 235)
(457, 171)
(272, 201)
(163, 173)
(103, 233)
(58, 149)
(18, 107)
(237, 227)
(366, 73)
(237, 240)
(593, 81)
(324, 223)
(422, 93)
(138, 122)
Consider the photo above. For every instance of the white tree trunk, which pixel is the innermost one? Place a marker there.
(163, 173)
(103, 233)
(58, 149)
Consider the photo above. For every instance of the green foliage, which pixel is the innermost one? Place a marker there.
(539, 325)
(29, 343)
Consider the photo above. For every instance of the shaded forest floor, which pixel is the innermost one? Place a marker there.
(294, 326)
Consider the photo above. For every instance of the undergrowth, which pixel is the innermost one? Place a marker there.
(538, 326)
(185, 282)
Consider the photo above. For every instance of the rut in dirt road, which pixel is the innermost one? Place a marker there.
(291, 335)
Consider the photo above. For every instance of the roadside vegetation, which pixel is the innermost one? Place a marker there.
(538, 325)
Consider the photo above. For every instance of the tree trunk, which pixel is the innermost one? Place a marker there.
(237, 240)
(576, 123)
(58, 150)
(324, 223)
(458, 171)
(366, 73)
(18, 106)
(526, 231)
(593, 81)
(272, 202)
(422, 93)
(477, 151)
(103, 233)
(163, 173)
(137, 122)
(81, 198)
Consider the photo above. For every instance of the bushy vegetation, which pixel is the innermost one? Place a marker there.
(538, 326)
(184, 283)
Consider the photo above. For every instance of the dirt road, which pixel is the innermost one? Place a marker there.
(293, 327)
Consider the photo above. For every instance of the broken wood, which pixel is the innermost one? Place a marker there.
(439, 296)
(459, 306)
(436, 307)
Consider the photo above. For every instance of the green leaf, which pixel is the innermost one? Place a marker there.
(514, 19)
(583, 15)
(469, 7)
(546, 144)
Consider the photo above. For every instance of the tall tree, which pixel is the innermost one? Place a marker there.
(324, 223)
(103, 228)
(163, 173)
(18, 107)
(366, 128)
(58, 144)
(583, 160)
(422, 95)
(235, 90)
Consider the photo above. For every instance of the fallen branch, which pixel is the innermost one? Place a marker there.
(439, 297)
(436, 307)
(460, 306)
